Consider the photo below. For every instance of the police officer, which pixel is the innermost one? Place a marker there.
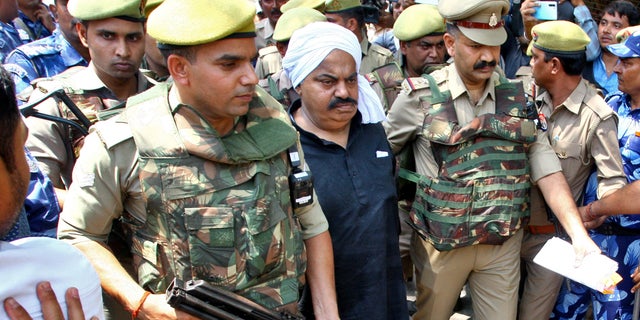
(279, 85)
(466, 124)
(49, 56)
(198, 171)
(350, 14)
(114, 34)
(265, 27)
(581, 129)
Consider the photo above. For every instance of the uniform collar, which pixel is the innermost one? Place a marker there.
(457, 87)
(573, 102)
(87, 79)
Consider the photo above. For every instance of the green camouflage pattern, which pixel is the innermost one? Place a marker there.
(214, 211)
(481, 194)
(389, 77)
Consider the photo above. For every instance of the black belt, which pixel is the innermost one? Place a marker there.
(610, 229)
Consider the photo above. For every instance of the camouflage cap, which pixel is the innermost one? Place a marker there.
(293, 20)
(479, 20)
(418, 21)
(313, 4)
(340, 5)
(150, 6)
(196, 23)
(560, 37)
(132, 10)
(623, 34)
(630, 48)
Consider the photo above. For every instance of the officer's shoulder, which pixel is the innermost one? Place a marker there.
(40, 47)
(378, 49)
(114, 131)
(594, 102)
(267, 51)
(58, 81)
(419, 84)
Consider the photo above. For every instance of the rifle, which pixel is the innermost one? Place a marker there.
(29, 110)
(208, 302)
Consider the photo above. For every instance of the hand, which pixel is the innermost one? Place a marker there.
(45, 17)
(50, 308)
(156, 307)
(527, 9)
(589, 221)
(636, 279)
(583, 246)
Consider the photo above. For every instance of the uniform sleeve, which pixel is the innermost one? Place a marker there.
(542, 158)
(605, 151)
(403, 121)
(105, 184)
(312, 219)
(48, 144)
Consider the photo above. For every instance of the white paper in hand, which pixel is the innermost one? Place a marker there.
(595, 271)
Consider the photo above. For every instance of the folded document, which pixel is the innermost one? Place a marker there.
(596, 271)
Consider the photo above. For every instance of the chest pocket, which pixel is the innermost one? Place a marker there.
(568, 150)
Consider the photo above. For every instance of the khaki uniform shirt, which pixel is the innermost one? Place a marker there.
(269, 62)
(107, 183)
(406, 117)
(48, 141)
(583, 133)
(283, 85)
(264, 34)
(373, 56)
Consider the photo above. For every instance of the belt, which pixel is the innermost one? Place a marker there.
(611, 229)
(546, 229)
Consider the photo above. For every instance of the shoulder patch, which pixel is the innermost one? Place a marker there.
(414, 84)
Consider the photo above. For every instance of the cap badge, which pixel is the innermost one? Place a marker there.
(535, 36)
(493, 20)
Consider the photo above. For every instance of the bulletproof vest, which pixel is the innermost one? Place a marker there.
(389, 77)
(481, 193)
(225, 218)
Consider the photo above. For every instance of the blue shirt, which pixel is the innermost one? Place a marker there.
(35, 29)
(355, 187)
(9, 39)
(609, 84)
(42, 58)
(629, 143)
(41, 204)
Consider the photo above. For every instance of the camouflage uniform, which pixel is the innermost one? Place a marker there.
(492, 270)
(196, 206)
(55, 145)
(279, 86)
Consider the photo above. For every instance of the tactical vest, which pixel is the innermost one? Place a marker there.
(481, 194)
(227, 222)
(389, 77)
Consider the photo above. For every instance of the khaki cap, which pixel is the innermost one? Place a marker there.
(132, 10)
(623, 34)
(559, 36)
(479, 20)
(340, 5)
(293, 20)
(195, 23)
(418, 21)
(313, 4)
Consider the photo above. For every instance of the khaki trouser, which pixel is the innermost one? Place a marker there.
(493, 272)
(541, 286)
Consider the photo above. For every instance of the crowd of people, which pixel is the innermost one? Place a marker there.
(317, 157)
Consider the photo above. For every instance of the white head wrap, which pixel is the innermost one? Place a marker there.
(310, 45)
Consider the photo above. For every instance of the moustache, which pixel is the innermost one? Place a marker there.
(334, 102)
(484, 64)
(276, 11)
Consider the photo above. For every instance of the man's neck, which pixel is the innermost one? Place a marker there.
(121, 88)
(562, 88)
(609, 60)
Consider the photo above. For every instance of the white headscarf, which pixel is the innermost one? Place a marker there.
(309, 46)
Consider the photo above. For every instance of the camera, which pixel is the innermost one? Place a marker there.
(547, 10)
(301, 186)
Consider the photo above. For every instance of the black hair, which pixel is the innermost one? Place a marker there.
(9, 119)
(353, 13)
(187, 52)
(624, 9)
(572, 63)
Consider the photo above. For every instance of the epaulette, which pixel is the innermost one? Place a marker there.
(60, 80)
(596, 104)
(267, 50)
(114, 131)
(381, 50)
(38, 49)
(414, 84)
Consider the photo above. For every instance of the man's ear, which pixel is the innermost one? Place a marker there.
(282, 48)
(450, 43)
(82, 33)
(179, 67)
(352, 24)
